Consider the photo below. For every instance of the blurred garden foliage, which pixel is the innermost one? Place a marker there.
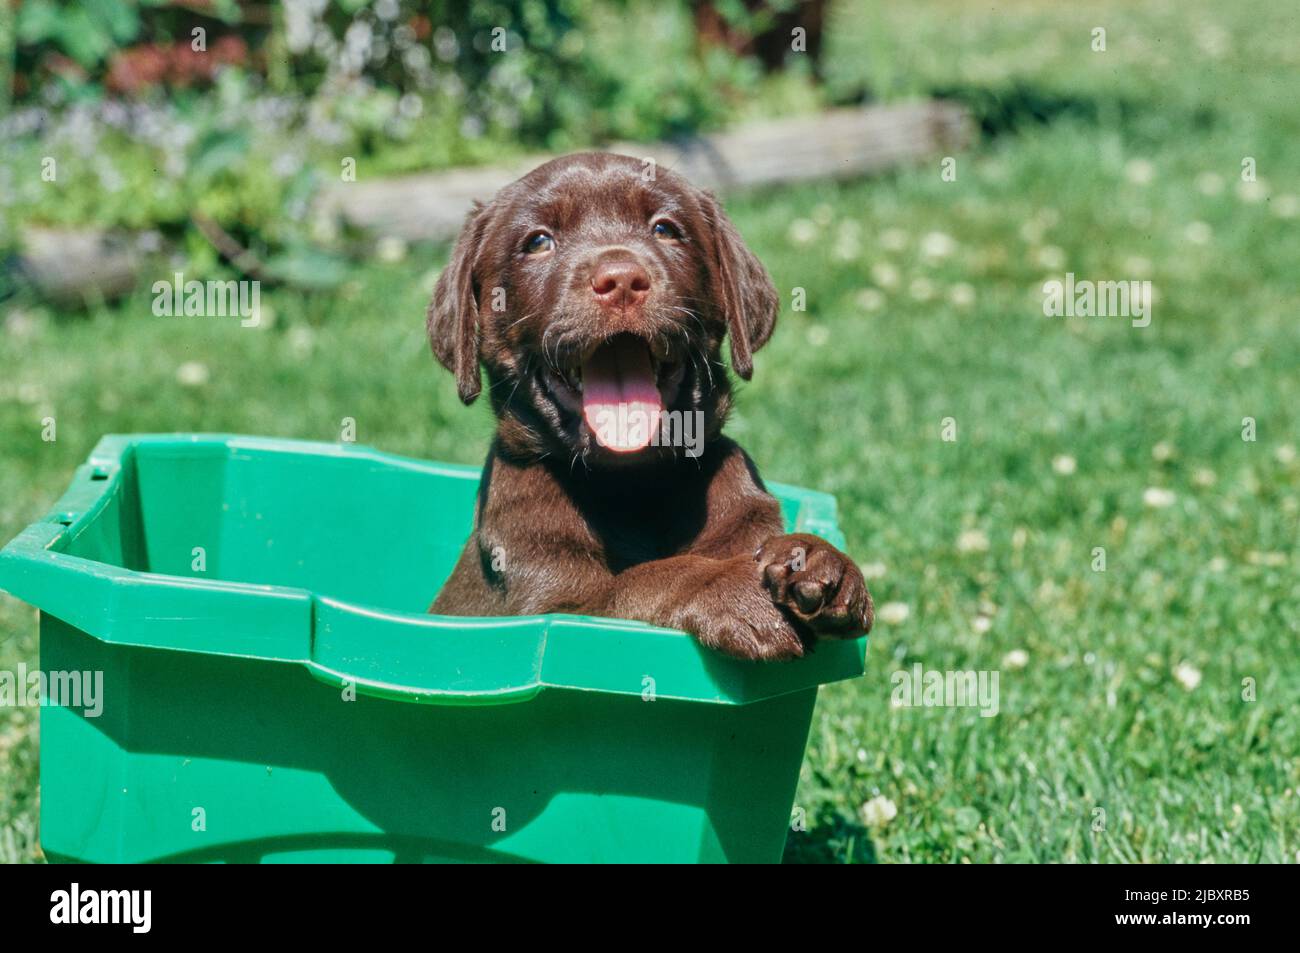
(154, 110)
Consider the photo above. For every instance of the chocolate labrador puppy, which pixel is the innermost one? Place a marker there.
(595, 292)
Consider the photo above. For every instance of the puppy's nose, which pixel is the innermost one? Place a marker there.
(620, 283)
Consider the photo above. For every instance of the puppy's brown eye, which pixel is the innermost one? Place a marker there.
(539, 243)
(666, 231)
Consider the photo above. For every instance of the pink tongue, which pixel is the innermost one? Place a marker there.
(619, 398)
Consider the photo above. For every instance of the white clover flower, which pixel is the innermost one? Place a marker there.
(1064, 464)
(1139, 171)
(1252, 192)
(973, 541)
(1245, 357)
(1158, 497)
(301, 340)
(390, 249)
(874, 570)
(879, 811)
(884, 274)
(192, 374)
(1015, 659)
(29, 393)
(1137, 265)
(1050, 256)
(1032, 231)
(20, 324)
(846, 248)
(802, 231)
(961, 295)
(937, 245)
(1214, 40)
(1187, 675)
(1286, 206)
(893, 613)
(870, 299)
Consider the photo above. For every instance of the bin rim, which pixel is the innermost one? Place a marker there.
(551, 651)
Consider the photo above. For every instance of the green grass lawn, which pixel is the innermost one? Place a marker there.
(1122, 734)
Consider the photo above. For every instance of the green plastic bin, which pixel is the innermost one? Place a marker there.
(274, 691)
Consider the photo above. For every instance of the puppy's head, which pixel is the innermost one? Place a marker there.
(596, 293)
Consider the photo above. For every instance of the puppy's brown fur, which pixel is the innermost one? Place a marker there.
(564, 524)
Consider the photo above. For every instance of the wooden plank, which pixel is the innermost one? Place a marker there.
(69, 265)
(840, 143)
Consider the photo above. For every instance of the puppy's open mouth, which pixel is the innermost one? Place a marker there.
(620, 389)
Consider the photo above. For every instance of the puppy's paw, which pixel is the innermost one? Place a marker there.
(735, 615)
(817, 584)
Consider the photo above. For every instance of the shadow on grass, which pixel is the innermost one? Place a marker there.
(831, 838)
(1010, 108)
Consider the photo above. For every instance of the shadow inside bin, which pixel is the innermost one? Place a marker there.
(427, 778)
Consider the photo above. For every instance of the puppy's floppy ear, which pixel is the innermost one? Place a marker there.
(746, 296)
(452, 319)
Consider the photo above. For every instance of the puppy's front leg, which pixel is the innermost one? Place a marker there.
(722, 602)
(817, 583)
